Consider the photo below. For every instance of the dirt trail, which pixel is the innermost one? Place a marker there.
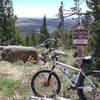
(11, 71)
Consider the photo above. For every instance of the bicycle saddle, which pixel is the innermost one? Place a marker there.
(87, 60)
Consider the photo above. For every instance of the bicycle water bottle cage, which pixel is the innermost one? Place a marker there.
(87, 60)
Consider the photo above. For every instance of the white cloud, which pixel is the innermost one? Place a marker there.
(35, 11)
(39, 11)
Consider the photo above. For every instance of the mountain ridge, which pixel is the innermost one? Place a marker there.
(28, 25)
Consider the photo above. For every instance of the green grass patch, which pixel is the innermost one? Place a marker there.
(9, 87)
(26, 64)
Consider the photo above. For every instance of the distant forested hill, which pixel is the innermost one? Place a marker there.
(27, 25)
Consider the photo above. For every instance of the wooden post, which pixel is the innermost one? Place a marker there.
(79, 55)
(80, 40)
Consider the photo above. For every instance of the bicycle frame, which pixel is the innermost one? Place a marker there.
(63, 66)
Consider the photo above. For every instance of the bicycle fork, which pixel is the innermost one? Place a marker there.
(46, 83)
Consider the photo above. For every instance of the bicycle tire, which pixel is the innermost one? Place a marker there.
(88, 94)
(38, 92)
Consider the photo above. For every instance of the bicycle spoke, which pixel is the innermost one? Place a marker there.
(44, 87)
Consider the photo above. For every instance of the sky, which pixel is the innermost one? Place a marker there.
(39, 8)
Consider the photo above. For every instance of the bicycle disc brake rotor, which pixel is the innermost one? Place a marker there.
(91, 94)
(88, 92)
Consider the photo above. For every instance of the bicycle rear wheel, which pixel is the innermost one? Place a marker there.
(88, 92)
(42, 87)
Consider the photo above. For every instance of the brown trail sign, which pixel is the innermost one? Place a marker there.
(80, 36)
(80, 40)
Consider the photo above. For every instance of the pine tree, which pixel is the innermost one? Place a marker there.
(18, 39)
(28, 41)
(33, 38)
(7, 22)
(44, 30)
(94, 5)
(69, 40)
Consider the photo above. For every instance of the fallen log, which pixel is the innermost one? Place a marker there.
(14, 53)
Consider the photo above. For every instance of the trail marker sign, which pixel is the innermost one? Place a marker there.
(80, 36)
(80, 40)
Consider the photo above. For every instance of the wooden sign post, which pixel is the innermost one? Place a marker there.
(80, 40)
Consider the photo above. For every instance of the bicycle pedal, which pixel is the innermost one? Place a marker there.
(69, 88)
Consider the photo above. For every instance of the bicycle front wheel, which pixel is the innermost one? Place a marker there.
(41, 86)
(90, 92)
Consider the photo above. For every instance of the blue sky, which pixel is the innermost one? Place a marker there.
(37, 8)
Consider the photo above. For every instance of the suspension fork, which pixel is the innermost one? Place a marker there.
(49, 77)
(51, 71)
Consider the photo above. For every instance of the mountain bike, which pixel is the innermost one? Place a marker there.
(47, 83)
